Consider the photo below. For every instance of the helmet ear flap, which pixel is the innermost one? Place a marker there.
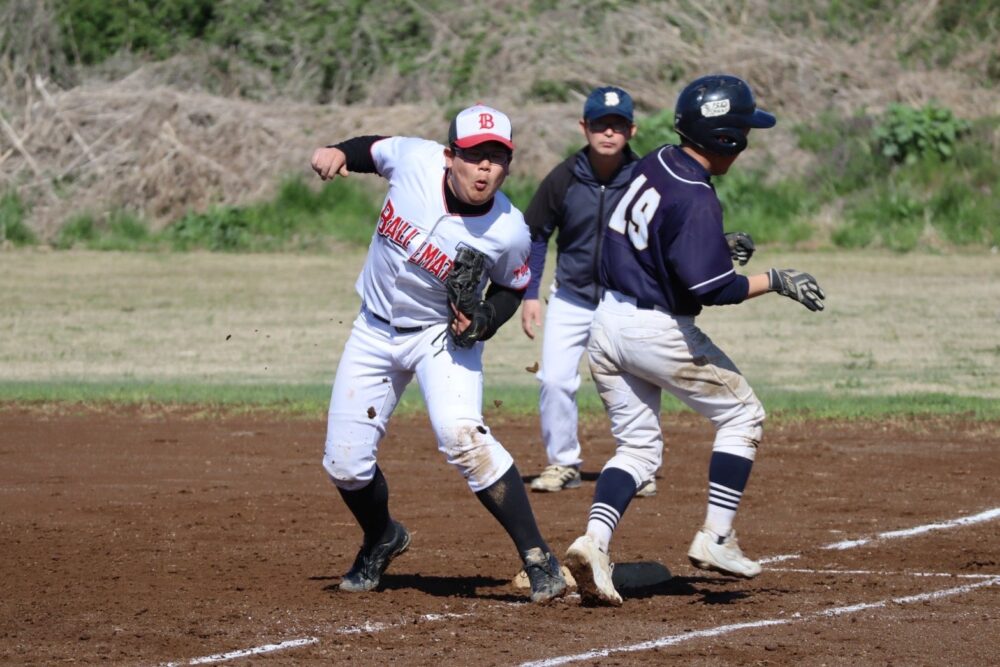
(728, 140)
(717, 140)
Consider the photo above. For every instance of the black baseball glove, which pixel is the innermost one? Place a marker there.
(464, 295)
(741, 247)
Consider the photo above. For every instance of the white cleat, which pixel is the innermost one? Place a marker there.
(721, 553)
(647, 490)
(591, 568)
(556, 478)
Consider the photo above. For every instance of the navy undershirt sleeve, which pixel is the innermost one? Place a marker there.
(536, 262)
(734, 291)
(358, 152)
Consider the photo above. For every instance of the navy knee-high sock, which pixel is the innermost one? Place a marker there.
(728, 475)
(615, 490)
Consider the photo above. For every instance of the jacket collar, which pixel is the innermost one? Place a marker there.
(585, 172)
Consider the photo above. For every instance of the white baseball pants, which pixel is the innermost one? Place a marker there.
(635, 354)
(567, 330)
(375, 368)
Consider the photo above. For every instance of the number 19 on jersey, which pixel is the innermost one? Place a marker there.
(636, 225)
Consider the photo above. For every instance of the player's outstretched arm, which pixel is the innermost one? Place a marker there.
(797, 285)
(329, 162)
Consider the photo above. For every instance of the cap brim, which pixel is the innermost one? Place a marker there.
(469, 142)
(762, 119)
(600, 113)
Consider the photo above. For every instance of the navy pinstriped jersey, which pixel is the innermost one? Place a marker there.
(664, 244)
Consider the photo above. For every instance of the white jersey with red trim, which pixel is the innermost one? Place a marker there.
(416, 238)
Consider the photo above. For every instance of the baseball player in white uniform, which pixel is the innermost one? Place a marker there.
(440, 199)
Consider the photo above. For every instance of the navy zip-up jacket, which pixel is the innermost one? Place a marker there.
(572, 200)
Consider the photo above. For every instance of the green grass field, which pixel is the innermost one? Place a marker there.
(902, 334)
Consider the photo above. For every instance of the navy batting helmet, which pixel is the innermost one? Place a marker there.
(712, 113)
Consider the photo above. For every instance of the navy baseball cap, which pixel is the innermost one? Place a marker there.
(606, 101)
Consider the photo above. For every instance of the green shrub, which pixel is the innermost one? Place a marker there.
(546, 90)
(299, 218)
(337, 47)
(842, 19)
(654, 131)
(520, 190)
(121, 230)
(963, 216)
(97, 29)
(465, 67)
(953, 30)
(893, 218)
(219, 228)
(771, 213)
(347, 211)
(955, 197)
(961, 193)
(844, 159)
(906, 134)
(12, 227)
(79, 230)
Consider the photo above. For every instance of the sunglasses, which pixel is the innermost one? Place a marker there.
(499, 156)
(619, 126)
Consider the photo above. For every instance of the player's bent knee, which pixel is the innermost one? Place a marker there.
(348, 475)
(740, 441)
(641, 464)
(477, 455)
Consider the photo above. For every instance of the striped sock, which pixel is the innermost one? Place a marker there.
(612, 495)
(727, 478)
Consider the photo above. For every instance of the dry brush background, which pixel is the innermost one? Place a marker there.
(148, 136)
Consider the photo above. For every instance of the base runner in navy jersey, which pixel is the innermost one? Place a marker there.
(664, 257)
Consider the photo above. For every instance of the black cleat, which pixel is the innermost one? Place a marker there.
(372, 561)
(547, 581)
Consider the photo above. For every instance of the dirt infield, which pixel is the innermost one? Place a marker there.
(148, 536)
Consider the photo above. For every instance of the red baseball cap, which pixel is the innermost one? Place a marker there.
(479, 124)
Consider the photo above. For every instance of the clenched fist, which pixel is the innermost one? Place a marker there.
(329, 162)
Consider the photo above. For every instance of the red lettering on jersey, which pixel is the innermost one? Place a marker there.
(440, 264)
(520, 272)
(395, 228)
(486, 121)
(429, 254)
(386, 215)
(400, 232)
(387, 230)
(434, 261)
(409, 237)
